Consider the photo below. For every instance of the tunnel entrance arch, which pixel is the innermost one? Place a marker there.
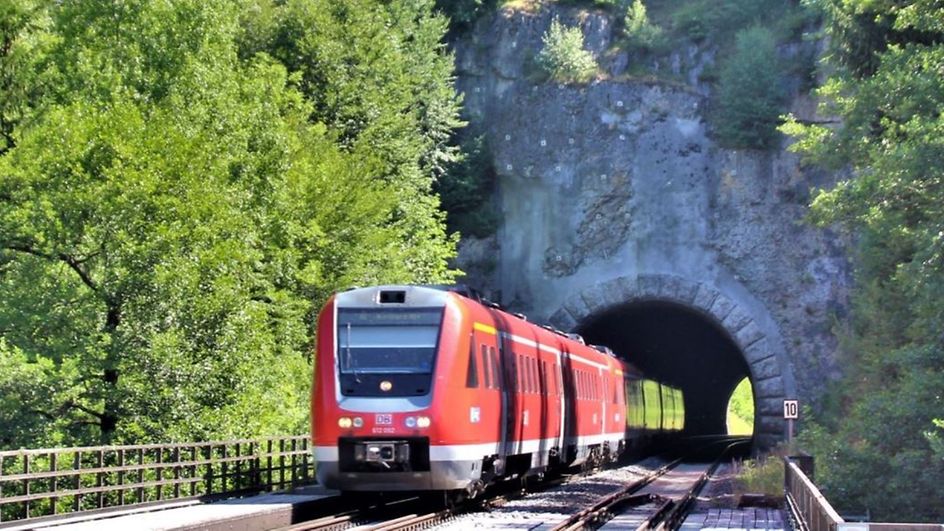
(641, 318)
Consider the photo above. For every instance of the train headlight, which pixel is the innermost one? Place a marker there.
(422, 422)
(410, 422)
(344, 422)
(358, 422)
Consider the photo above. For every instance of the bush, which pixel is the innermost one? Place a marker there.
(750, 93)
(639, 30)
(761, 476)
(563, 58)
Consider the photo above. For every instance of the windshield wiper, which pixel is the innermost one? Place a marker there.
(348, 358)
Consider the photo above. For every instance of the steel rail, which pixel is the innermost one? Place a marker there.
(677, 511)
(606, 505)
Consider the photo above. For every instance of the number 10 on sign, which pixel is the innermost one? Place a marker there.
(791, 411)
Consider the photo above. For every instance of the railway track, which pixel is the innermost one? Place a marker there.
(654, 507)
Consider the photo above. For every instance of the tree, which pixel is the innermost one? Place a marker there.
(173, 214)
(890, 100)
(23, 40)
(638, 29)
(750, 93)
(466, 191)
(563, 58)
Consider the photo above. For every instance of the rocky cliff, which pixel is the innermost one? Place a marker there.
(606, 186)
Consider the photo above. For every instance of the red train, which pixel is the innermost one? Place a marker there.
(430, 389)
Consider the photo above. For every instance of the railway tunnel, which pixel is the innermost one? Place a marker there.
(678, 345)
(703, 337)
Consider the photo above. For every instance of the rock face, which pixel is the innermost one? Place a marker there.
(615, 191)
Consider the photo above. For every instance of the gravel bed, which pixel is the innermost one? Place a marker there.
(555, 504)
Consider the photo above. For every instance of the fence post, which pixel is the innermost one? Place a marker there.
(55, 480)
(269, 463)
(176, 459)
(281, 463)
(99, 478)
(77, 466)
(121, 476)
(26, 484)
(159, 474)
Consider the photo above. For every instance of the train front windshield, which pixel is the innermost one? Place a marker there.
(393, 346)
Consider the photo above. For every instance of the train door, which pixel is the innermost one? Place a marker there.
(602, 400)
(558, 377)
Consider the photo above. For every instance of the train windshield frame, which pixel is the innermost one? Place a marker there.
(388, 340)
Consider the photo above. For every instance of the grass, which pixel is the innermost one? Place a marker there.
(761, 476)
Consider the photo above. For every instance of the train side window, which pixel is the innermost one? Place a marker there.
(535, 384)
(472, 376)
(545, 388)
(526, 366)
(521, 377)
(486, 370)
(552, 379)
(496, 375)
(539, 376)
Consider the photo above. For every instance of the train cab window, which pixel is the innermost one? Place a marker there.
(486, 370)
(472, 374)
(394, 344)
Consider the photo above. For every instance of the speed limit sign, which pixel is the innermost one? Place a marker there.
(791, 409)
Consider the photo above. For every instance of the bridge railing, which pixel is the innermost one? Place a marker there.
(62, 480)
(812, 512)
(806, 503)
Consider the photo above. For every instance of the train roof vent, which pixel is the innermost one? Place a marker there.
(521, 316)
(578, 338)
(392, 296)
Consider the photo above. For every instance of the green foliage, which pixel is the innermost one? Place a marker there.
(760, 476)
(179, 203)
(749, 96)
(640, 32)
(463, 13)
(563, 58)
(23, 39)
(862, 30)
(466, 189)
(717, 19)
(741, 409)
(936, 438)
(890, 97)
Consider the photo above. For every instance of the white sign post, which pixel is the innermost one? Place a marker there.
(791, 412)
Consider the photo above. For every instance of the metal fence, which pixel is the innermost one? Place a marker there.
(61, 480)
(812, 512)
(807, 504)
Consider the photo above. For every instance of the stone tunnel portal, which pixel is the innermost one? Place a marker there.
(678, 345)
